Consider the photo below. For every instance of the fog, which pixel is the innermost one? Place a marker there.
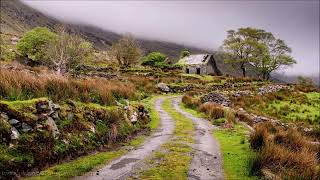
(202, 23)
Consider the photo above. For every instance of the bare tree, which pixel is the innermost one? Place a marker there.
(67, 51)
(126, 51)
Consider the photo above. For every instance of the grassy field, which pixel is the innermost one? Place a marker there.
(173, 159)
(149, 103)
(290, 110)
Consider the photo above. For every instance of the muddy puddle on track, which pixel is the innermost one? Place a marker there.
(123, 166)
(207, 161)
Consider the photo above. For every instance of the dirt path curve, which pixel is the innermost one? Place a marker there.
(207, 161)
(122, 167)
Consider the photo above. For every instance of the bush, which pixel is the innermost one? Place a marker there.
(34, 42)
(154, 59)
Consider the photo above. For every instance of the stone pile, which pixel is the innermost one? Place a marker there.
(179, 89)
(271, 88)
(242, 93)
(216, 98)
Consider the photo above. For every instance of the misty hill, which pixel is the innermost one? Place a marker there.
(17, 18)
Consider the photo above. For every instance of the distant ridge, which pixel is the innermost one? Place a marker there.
(17, 18)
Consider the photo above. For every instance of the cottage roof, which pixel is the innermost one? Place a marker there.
(195, 59)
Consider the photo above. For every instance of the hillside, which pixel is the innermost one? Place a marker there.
(17, 18)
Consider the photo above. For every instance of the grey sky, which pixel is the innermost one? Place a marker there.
(202, 23)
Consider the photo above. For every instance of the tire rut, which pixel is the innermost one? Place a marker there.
(207, 160)
(123, 166)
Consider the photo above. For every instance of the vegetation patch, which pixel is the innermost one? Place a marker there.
(173, 159)
(79, 166)
(236, 152)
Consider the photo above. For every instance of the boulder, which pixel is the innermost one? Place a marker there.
(163, 87)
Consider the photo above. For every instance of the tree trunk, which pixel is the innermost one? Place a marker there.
(243, 68)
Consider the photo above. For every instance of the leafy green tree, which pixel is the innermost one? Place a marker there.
(184, 53)
(67, 51)
(154, 59)
(239, 47)
(126, 51)
(34, 42)
(257, 48)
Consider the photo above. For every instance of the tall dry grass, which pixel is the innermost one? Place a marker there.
(286, 153)
(21, 85)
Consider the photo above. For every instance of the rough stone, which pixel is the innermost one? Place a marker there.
(25, 127)
(4, 116)
(13, 121)
(271, 88)
(52, 126)
(163, 87)
(14, 133)
(134, 117)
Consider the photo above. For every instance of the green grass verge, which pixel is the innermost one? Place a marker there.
(235, 151)
(84, 164)
(149, 103)
(173, 159)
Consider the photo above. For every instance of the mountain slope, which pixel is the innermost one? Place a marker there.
(17, 18)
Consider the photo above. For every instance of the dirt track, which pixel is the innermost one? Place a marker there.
(122, 167)
(207, 161)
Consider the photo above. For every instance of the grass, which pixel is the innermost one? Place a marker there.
(235, 151)
(85, 164)
(78, 167)
(173, 159)
(149, 103)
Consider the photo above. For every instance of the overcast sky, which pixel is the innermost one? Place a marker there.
(202, 23)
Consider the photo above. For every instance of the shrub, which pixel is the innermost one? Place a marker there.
(154, 59)
(33, 43)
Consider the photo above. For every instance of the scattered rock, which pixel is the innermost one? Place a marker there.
(4, 116)
(134, 117)
(13, 122)
(25, 127)
(271, 88)
(52, 126)
(163, 87)
(14, 133)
